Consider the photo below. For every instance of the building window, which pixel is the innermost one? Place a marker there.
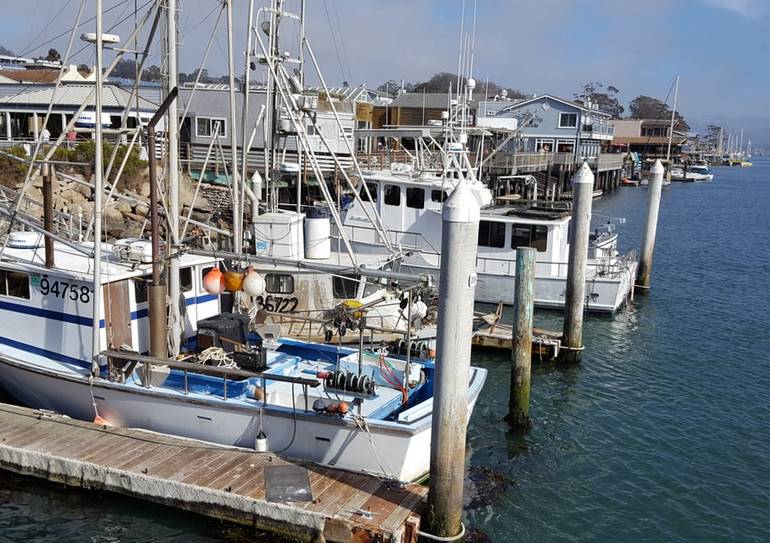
(14, 283)
(347, 133)
(544, 145)
(530, 235)
(563, 146)
(438, 195)
(344, 288)
(372, 191)
(279, 283)
(311, 130)
(567, 120)
(491, 234)
(415, 197)
(185, 279)
(205, 126)
(392, 195)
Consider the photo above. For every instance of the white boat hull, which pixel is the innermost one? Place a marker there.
(393, 449)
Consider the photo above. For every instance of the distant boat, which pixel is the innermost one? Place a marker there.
(691, 173)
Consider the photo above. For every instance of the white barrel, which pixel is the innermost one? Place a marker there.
(318, 243)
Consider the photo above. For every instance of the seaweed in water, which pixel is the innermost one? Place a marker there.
(488, 486)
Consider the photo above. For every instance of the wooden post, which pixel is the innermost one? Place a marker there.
(523, 311)
(648, 241)
(48, 213)
(457, 284)
(582, 199)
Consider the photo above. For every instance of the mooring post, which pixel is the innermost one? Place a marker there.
(48, 212)
(523, 312)
(655, 186)
(457, 285)
(582, 199)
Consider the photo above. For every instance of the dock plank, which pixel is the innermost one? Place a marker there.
(222, 482)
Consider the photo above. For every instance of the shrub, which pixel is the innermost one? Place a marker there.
(12, 171)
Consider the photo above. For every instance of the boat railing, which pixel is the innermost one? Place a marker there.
(148, 362)
(605, 267)
(410, 241)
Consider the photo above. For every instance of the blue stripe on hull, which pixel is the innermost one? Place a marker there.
(43, 352)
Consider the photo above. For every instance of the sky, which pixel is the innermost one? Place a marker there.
(718, 47)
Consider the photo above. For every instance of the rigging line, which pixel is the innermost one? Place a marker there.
(74, 28)
(342, 41)
(334, 39)
(48, 24)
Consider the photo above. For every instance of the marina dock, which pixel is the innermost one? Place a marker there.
(269, 492)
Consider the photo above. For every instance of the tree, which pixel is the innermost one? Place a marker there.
(712, 135)
(647, 107)
(125, 69)
(53, 55)
(392, 87)
(605, 97)
(151, 74)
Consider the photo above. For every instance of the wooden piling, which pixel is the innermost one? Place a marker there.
(582, 199)
(523, 312)
(655, 188)
(457, 284)
(48, 213)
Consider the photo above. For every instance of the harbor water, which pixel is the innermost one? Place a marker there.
(660, 434)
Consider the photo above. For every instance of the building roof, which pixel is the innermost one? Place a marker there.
(429, 100)
(70, 95)
(32, 76)
(578, 105)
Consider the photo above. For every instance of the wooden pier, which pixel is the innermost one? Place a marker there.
(225, 483)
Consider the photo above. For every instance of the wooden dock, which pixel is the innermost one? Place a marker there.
(220, 482)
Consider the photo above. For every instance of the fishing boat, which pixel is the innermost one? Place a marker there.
(357, 410)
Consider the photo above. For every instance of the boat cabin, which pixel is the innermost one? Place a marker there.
(56, 304)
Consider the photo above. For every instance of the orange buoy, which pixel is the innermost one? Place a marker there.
(343, 407)
(233, 281)
(214, 281)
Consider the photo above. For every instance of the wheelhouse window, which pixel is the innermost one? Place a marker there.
(438, 195)
(141, 289)
(344, 287)
(392, 195)
(185, 279)
(14, 283)
(279, 283)
(206, 126)
(491, 234)
(415, 197)
(372, 191)
(530, 235)
(567, 120)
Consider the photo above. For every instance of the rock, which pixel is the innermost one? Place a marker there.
(142, 209)
(123, 207)
(114, 223)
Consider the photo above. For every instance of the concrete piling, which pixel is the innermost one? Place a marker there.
(523, 312)
(453, 353)
(582, 199)
(654, 188)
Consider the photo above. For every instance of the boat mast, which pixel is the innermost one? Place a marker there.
(172, 132)
(673, 118)
(98, 188)
(245, 114)
(237, 214)
(301, 56)
(274, 137)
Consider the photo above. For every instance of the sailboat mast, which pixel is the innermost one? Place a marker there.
(172, 171)
(98, 189)
(673, 118)
(237, 215)
(274, 138)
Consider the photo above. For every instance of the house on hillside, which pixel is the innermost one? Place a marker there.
(549, 124)
(647, 137)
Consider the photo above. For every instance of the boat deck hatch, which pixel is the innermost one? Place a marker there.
(287, 484)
